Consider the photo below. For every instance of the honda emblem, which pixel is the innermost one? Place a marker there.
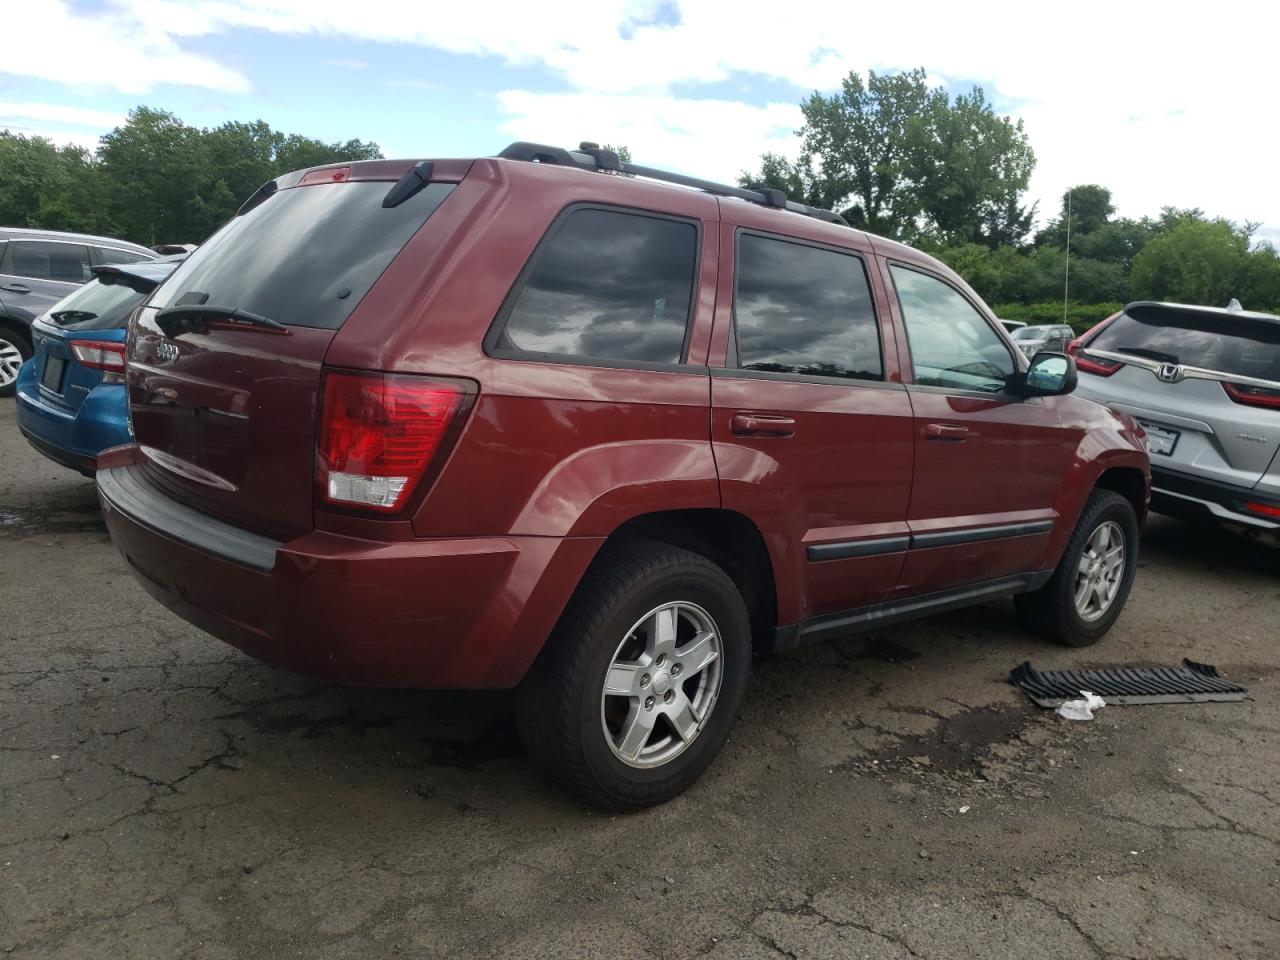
(1169, 372)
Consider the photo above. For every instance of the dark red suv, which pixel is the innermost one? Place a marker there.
(546, 421)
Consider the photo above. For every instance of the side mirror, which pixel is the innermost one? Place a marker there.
(1050, 375)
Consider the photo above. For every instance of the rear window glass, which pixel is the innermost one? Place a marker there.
(307, 256)
(1243, 346)
(97, 305)
(804, 310)
(607, 285)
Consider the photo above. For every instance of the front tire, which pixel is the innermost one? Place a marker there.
(1088, 590)
(636, 691)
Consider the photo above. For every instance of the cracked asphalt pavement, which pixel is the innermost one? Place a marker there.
(883, 796)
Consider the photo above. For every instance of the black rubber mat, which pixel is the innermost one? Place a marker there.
(1190, 683)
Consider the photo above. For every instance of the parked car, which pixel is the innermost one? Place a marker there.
(71, 397)
(500, 423)
(37, 269)
(1012, 326)
(1204, 382)
(1053, 337)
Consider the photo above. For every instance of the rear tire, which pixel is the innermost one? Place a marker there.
(668, 631)
(15, 350)
(1087, 592)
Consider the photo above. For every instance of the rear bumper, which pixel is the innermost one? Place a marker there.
(73, 438)
(465, 613)
(1182, 495)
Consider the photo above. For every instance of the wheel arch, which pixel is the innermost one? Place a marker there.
(1130, 483)
(728, 539)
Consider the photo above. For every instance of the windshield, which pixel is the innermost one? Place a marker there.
(1030, 333)
(1244, 346)
(306, 257)
(98, 305)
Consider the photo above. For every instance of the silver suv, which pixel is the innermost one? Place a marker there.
(37, 269)
(1205, 384)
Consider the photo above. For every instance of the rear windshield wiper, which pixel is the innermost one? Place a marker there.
(64, 317)
(175, 321)
(1149, 354)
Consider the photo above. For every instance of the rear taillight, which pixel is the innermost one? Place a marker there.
(381, 433)
(99, 354)
(1102, 366)
(1263, 509)
(1253, 396)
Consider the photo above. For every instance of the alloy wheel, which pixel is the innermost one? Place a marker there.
(662, 684)
(10, 361)
(1100, 572)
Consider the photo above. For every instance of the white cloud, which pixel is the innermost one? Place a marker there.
(1162, 106)
(58, 113)
(716, 139)
(116, 49)
(75, 138)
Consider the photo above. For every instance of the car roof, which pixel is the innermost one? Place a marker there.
(30, 233)
(818, 226)
(1140, 308)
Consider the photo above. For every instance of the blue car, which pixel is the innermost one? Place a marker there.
(71, 394)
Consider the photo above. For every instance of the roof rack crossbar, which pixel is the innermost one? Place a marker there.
(590, 156)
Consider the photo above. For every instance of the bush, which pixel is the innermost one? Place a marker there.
(1080, 316)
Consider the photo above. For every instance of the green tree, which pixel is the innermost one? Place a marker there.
(1090, 209)
(970, 168)
(49, 186)
(1196, 261)
(898, 158)
(155, 165)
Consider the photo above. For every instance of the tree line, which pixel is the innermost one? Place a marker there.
(949, 175)
(153, 179)
(892, 155)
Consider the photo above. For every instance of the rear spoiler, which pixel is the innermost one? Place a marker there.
(1151, 309)
(116, 273)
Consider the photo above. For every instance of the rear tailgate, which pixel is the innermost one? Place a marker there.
(1204, 382)
(225, 410)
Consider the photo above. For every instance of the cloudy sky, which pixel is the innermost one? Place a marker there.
(1167, 103)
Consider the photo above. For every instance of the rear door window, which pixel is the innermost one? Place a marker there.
(1242, 346)
(804, 310)
(42, 260)
(305, 257)
(606, 285)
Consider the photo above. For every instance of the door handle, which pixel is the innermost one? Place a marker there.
(762, 425)
(945, 431)
(15, 288)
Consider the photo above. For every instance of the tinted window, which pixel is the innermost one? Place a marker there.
(99, 305)
(951, 342)
(1241, 345)
(113, 256)
(68, 262)
(804, 310)
(608, 285)
(307, 256)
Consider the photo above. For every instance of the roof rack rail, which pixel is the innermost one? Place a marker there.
(591, 156)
